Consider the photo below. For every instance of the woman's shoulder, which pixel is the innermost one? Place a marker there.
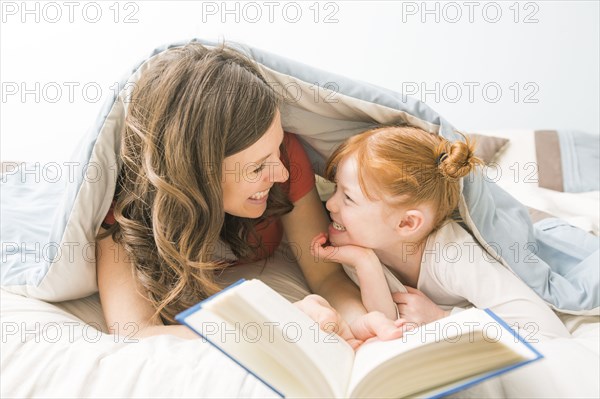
(302, 175)
(292, 143)
(296, 154)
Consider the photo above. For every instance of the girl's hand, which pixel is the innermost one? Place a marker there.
(416, 308)
(376, 324)
(350, 255)
(318, 309)
(368, 326)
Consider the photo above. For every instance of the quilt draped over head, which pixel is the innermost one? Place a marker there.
(48, 249)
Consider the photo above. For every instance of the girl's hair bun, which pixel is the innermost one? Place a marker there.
(457, 159)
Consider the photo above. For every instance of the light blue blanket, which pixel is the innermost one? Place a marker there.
(560, 262)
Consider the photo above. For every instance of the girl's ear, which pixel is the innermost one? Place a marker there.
(411, 222)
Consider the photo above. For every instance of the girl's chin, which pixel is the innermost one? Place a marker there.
(337, 241)
(340, 243)
(341, 239)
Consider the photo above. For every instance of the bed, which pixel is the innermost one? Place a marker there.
(62, 350)
(54, 340)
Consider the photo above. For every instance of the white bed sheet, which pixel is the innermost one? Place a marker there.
(48, 351)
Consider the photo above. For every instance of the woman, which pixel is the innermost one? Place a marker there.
(205, 163)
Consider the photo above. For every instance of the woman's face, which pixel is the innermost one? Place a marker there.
(249, 174)
(356, 219)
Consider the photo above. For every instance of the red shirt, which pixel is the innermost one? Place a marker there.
(302, 180)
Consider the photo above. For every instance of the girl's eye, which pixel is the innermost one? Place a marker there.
(335, 187)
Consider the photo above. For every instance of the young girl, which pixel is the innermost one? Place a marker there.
(396, 190)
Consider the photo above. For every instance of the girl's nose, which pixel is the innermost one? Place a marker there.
(331, 205)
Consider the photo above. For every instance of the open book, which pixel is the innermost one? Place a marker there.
(279, 344)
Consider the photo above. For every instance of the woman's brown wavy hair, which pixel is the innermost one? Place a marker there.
(189, 110)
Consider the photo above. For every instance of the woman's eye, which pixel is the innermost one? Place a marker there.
(259, 169)
(348, 198)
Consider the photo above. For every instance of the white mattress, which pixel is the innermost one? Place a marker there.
(58, 350)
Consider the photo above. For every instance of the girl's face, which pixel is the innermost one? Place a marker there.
(249, 174)
(356, 219)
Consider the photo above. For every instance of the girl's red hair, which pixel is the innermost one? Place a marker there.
(407, 166)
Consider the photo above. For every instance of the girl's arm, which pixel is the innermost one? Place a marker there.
(374, 289)
(363, 265)
(305, 221)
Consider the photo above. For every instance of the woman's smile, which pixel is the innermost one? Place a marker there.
(260, 197)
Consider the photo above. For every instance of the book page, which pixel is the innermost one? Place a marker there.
(455, 334)
(446, 363)
(234, 343)
(320, 361)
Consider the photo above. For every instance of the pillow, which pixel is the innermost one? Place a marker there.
(568, 160)
(488, 148)
(516, 171)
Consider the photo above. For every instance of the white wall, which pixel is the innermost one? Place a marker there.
(547, 51)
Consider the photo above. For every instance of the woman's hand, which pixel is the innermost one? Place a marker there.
(365, 327)
(416, 308)
(351, 255)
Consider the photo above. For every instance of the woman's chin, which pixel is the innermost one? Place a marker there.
(248, 212)
(256, 213)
